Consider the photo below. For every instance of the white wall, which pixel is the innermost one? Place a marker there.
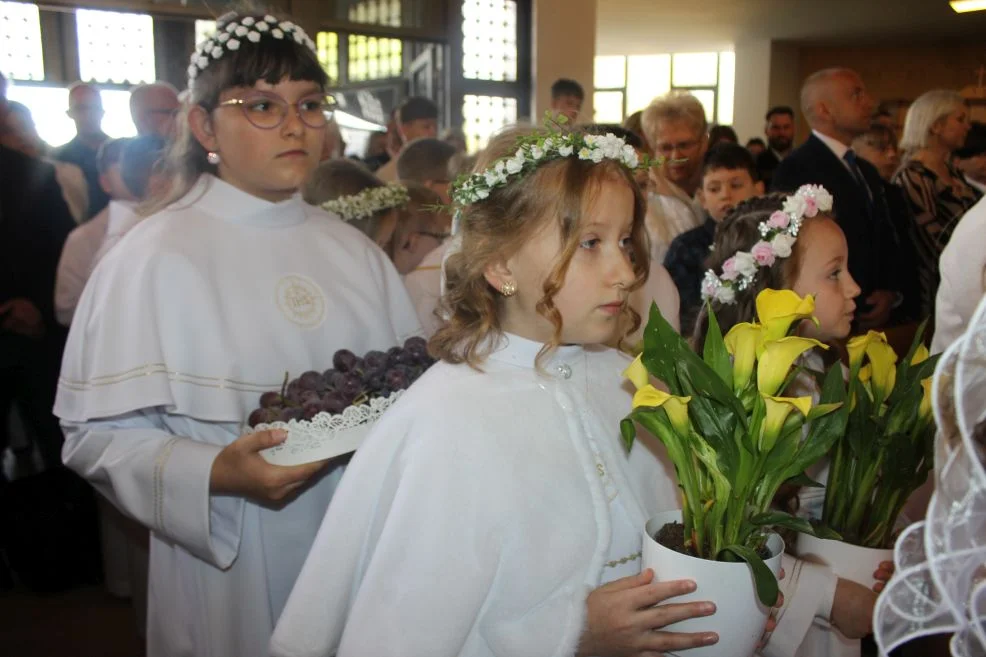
(753, 62)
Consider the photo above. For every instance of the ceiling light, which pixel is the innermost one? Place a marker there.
(962, 6)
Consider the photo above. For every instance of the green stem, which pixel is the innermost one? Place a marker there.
(864, 494)
(836, 468)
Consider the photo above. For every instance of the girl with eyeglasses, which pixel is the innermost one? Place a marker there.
(229, 282)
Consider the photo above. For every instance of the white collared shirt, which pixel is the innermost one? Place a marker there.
(836, 146)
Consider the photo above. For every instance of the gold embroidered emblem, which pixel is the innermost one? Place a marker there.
(301, 300)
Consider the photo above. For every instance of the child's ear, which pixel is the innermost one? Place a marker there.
(759, 187)
(201, 125)
(497, 273)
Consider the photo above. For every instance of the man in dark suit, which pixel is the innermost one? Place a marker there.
(34, 222)
(780, 138)
(838, 109)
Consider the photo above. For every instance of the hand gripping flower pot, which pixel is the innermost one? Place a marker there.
(740, 617)
(885, 454)
(733, 442)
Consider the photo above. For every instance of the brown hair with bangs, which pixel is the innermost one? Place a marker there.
(269, 59)
(495, 228)
(739, 231)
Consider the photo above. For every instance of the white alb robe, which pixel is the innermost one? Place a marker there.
(963, 278)
(474, 520)
(200, 309)
(424, 285)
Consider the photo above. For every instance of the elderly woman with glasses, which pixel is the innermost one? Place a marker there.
(677, 132)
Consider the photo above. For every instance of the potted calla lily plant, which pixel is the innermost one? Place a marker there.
(885, 454)
(733, 441)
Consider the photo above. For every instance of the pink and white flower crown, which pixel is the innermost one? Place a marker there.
(777, 237)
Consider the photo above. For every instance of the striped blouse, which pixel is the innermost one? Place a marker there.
(936, 208)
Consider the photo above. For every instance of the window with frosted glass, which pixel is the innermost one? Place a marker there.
(20, 42)
(373, 58)
(695, 69)
(489, 44)
(204, 30)
(483, 116)
(607, 106)
(327, 46)
(610, 72)
(376, 12)
(648, 76)
(115, 47)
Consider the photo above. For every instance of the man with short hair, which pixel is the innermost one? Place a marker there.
(779, 131)
(85, 108)
(567, 97)
(153, 108)
(838, 108)
(416, 117)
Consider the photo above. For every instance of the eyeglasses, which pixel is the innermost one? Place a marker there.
(268, 111)
(681, 147)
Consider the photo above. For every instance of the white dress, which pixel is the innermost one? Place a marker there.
(424, 285)
(474, 520)
(963, 277)
(123, 217)
(200, 309)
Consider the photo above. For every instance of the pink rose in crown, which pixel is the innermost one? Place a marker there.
(763, 253)
(779, 220)
(811, 206)
(729, 272)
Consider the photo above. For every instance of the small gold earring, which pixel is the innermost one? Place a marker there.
(508, 289)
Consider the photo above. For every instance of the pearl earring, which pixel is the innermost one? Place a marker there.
(212, 158)
(508, 289)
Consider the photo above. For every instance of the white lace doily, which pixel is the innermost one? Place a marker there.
(940, 580)
(325, 435)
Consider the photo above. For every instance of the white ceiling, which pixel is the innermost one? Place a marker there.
(647, 26)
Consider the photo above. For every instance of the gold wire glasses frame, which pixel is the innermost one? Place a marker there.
(268, 111)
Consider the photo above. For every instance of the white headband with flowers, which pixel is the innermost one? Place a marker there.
(535, 151)
(229, 38)
(777, 237)
(368, 202)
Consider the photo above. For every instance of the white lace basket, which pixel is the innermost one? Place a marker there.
(325, 435)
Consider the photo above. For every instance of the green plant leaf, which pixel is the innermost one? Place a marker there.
(763, 579)
(804, 481)
(826, 532)
(716, 355)
(821, 410)
(628, 430)
(775, 518)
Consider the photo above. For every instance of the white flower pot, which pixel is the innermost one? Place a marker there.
(846, 560)
(740, 618)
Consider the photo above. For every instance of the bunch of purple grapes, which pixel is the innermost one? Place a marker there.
(351, 380)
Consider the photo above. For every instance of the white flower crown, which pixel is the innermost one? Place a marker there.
(228, 38)
(778, 235)
(535, 151)
(371, 200)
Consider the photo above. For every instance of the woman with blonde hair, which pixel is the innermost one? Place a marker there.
(677, 132)
(936, 125)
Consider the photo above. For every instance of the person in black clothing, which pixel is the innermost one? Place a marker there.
(34, 222)
(838, 108)
(780, 138)
(729, 177)
(85, 107)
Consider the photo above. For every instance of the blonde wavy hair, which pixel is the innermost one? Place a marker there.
(924, 113)
(497, 227)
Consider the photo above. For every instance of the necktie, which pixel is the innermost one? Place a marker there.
(857, 174)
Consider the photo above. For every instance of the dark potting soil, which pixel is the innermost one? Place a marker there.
(672, 536)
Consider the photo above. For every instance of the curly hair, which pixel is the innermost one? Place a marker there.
(497, 227)
(739, 231)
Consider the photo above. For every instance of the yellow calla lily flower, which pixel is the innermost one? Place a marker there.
(675, 407)
(778, 309)
(777, 359)
(637, 373)
(857, 346)
(742, 342)
(924, 410)
(920, 355)
(865, 373)
(883, 360)
(778, 409)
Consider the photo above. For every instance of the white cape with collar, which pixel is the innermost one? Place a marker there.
(196, 312)
(473, 520)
